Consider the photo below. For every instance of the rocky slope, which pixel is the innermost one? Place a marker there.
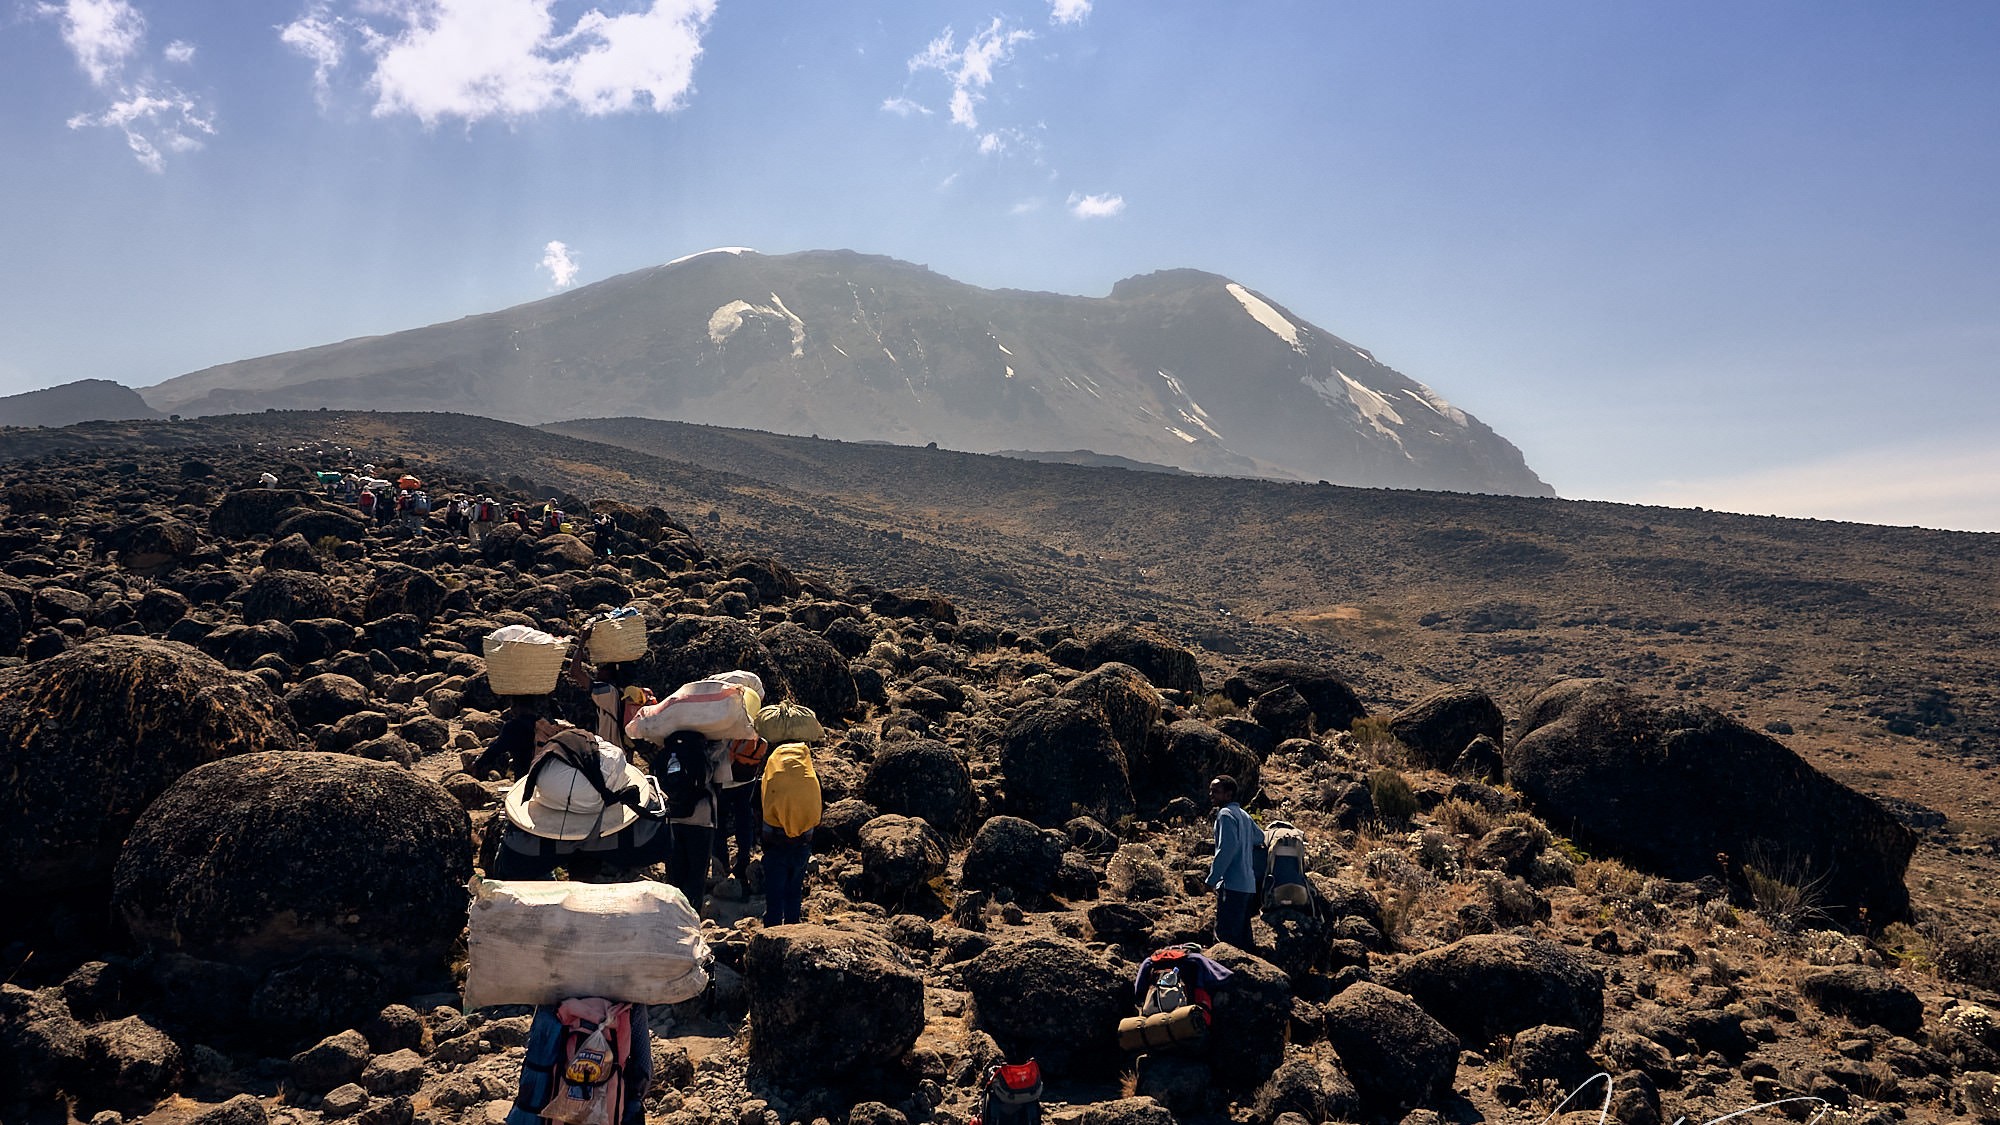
(82, 401)
(1179, 368)
(1011, 824)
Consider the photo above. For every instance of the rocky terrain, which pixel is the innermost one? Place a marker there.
(1179, 368)
(234, 718)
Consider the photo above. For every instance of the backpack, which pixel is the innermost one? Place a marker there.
(485, 513)
(1175, 1009)
(746, 758)
(790, 791)
(590, 1085)
(1284, 872)
(683, 772)
(1172, 979)
(786, 721)
(421, 504)
(366, 502)
(1013, 1095)
(1167, 993)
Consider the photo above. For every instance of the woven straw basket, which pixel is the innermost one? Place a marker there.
(617, 639)
(524, 667)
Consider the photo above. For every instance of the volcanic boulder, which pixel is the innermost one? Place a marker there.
(690, 648)
(1489, 985)
(1161, 661)
(1668, 789)
(90, 736)
(814, 670)
(825, 1002)
(1181, 766)
(265, 858)
(1438, 727)
(1866, 996)
(1397, 1055)
(922, 778)
(1013, 853)
(254, 511)
(404, 589)
(1130, 703)
(287, 595)
(1051, 998)
(899, 855)
(1334, 705)
(1061, 760)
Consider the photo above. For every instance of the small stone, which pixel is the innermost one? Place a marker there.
(400, 1072)
(341, 1101)
(243, 1109)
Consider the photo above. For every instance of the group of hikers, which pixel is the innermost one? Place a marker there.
(404, 500)
(695, 782)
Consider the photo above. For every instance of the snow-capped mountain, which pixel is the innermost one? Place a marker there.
(1179, 368)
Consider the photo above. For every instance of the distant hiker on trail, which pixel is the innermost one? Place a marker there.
(1233, 873)
(518, 516)
(682, 765)
(366, 503)
(485, 516)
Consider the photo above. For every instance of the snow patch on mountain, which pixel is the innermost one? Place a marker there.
(1436, 402)
(1182, 434)
(725, 321)
(1188, 408)
(1267, 316)
(716, 250)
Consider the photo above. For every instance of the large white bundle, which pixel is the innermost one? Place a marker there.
(543, 942)
(717, 709)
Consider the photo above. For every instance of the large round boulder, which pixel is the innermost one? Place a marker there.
(826, 1002)
(1668, 789)
(1333, 704)
(90, 736)
(1396, 1054)
(899, 855)
(1253, 1007)
(1489, 985)
(404, 589)
(314, 524)
(686, 648)
(922, 604)
(922, 778)
(1183, 762)
(269, 857)
(1130, 703)
(156, 547)
(562, 551)
(327, 698)
(1061, 760)
(287, 595)
(1015, 854)
(1438, 727)
(253, 511)
(1053, 999)
(1161, 661)
(1865, 996)
(814, 670)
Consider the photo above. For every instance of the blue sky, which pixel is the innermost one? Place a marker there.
(1741, 256)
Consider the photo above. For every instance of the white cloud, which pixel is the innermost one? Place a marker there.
(904, 107)
(1919, 485)
(1095, 206)
(155, 117)
(103, 35)
(1068, 11)
(317, 36)
(991, 143)
(970, 67)
(562, 268)
(476, 59)
(154, 124)
(1025, 207)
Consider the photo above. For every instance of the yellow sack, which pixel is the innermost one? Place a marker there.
(791, 789)
(786, 721)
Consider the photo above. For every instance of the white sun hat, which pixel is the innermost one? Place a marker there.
(565, 804)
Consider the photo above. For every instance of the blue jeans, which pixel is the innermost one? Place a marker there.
(785, 860)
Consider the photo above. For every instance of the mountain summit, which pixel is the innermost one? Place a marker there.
(1180, 368)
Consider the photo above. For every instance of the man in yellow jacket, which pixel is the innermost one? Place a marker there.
(791, 811)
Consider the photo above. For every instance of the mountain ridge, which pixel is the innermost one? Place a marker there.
(1181, 367)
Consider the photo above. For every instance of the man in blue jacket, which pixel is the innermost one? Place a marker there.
(1233, 873)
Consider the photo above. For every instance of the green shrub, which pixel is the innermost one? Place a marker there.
(1395, 803)
(1461, 817)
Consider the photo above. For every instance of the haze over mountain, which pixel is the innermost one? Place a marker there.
(1178, 368)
